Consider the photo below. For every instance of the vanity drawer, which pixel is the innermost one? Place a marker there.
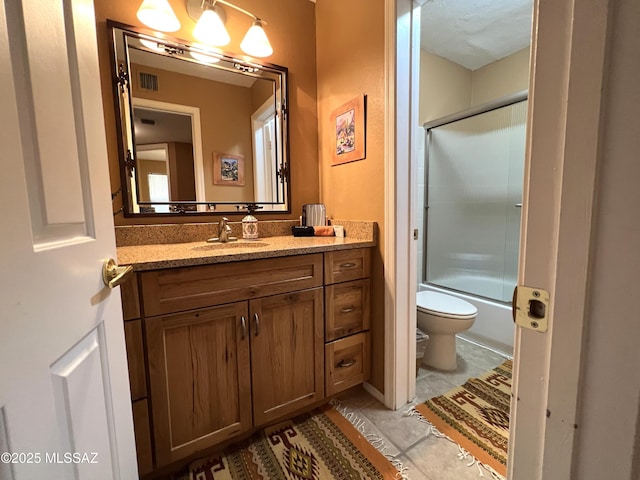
(345, 265)
(135, 359)
(347, 308)
(180, 289)
(347, 362)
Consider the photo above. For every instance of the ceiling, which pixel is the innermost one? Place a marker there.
(160, 126)
(474, 33)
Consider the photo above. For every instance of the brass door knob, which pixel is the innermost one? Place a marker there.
(113, 275)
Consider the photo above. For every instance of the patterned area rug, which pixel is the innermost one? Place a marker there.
(476, 416)
(319, 445)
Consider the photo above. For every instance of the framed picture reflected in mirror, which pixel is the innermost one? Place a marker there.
(228, 169)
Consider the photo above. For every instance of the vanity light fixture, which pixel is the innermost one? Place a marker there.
(210, 28)
(255, 42)
(158, 15)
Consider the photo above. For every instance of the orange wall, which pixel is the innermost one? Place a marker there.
(292, 35)
(260, 93)
(350, 58)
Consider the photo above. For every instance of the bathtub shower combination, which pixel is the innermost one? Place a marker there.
(474, 166)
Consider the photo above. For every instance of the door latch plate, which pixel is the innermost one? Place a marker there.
(531, 308)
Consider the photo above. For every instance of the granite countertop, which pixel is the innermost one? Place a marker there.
(153, 257)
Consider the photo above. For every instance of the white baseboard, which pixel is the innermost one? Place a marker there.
(496, 347)
(374, 392)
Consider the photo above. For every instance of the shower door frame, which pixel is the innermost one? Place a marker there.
(506, 101)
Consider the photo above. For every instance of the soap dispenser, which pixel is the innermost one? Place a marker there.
(250, 224)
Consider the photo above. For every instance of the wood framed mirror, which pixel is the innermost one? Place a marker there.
(181, 108)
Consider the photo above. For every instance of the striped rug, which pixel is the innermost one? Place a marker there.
(476, 416)
(316, 446)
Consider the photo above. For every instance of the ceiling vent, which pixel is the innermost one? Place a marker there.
(148, 82)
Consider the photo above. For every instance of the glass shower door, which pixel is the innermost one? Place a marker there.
(474, 193)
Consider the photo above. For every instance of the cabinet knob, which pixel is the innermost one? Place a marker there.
(243, 322)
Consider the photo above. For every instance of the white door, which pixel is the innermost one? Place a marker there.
(64, 393)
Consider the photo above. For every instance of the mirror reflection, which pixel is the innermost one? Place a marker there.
(201, 131)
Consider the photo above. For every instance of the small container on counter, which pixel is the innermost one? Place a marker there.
(250, 224)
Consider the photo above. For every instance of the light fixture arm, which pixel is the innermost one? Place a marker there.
(210, 28)
(212, 3)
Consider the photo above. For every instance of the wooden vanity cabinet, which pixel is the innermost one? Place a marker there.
(218, 350)
(225, 356)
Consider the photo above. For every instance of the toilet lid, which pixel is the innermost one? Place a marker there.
(444, 305)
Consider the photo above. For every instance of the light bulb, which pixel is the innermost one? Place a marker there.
(158, 15)
(211, 30)
(255, 42)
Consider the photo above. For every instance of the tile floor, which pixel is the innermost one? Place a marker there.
(406, 438)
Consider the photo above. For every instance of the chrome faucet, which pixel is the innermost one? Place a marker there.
(224, 233)
(224, 230)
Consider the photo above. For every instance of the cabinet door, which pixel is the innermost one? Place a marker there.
(199, 377)
(287, 355)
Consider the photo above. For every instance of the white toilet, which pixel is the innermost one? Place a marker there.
(441, 316)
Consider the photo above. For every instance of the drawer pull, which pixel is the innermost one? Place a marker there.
(347, 265)
(347, 310)
(346, 363)
(243, 322)
(256, 320)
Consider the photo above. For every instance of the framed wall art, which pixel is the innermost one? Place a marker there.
(349, 131)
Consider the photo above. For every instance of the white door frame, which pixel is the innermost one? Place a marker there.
(566, 80)
(261, 169)
(567, 67)
(196, 137)
(399, 250)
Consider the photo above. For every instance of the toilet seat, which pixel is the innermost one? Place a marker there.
(447, 306)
